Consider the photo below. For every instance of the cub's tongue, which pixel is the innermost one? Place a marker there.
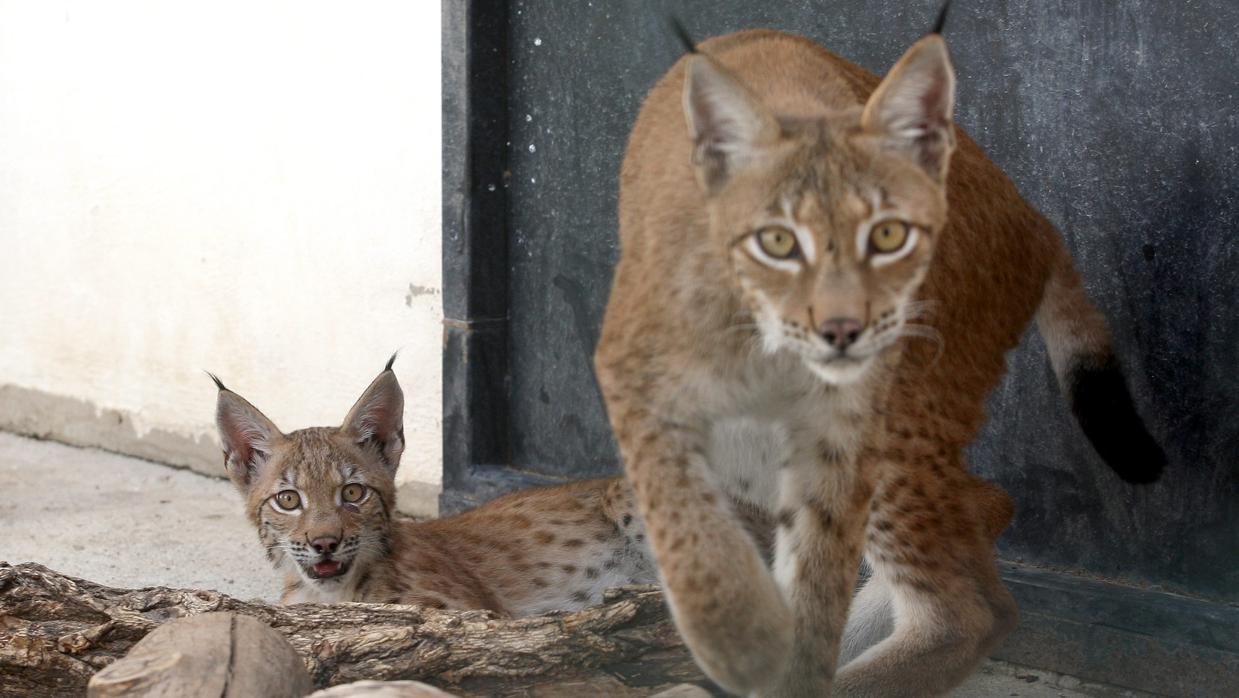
(326, 568)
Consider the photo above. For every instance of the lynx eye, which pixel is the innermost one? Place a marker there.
(353, 493)
(777, 242)
(888, 236)
(288, 500)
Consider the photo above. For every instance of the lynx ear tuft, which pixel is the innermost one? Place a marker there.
(681, 34)
(911, 109)
(377, 419)
(218, 383)
(728, 124)
(940, 23)
(247, 436)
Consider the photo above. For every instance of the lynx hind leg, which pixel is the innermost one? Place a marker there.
(871, 618)
(931, 547)
(619, 504)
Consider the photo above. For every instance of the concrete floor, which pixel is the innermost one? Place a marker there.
(126, 522)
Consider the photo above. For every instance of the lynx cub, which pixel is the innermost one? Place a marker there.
(323, 501)
(784, 217)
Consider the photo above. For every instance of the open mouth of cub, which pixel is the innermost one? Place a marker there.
(326, 569)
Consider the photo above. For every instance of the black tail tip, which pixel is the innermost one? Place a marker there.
(218, 383)
(941, 21)
(677, 28)
(392, 360)
(1104, 408)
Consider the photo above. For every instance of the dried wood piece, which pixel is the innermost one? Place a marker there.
(382, 689)
(57, 631)
(683, 690)
(220, 655)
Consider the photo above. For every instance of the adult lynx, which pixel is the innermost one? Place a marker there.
(775, 249)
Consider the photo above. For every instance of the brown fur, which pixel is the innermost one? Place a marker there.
(528, 552)
(700, 332)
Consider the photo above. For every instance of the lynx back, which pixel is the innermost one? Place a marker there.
(787, 224)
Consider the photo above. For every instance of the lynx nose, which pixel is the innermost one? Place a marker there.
(840, 332)
(324, 545)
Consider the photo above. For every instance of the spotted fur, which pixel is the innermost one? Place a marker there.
(848, 374)
(554, 548)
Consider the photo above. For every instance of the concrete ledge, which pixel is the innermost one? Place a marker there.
(80, 423)
(1124, 636)
(77, 422)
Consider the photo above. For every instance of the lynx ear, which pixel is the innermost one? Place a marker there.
(377, 419)
(727, 123)
(247, 435)
(912, 107)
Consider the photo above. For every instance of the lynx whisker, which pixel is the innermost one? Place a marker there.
(917, 310)
(918, 331)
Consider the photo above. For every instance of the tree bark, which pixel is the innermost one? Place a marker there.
(57, 631)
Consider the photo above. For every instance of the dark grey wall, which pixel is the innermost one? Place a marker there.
(1118, 119)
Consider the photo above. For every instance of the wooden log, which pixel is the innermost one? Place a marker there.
(213, 655)
(417, 689)
(57, 631)
(382, 689)
(683, 690)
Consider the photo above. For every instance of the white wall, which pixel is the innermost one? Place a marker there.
(246, 187)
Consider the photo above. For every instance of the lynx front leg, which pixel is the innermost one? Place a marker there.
(822, 516)
(725, 604)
